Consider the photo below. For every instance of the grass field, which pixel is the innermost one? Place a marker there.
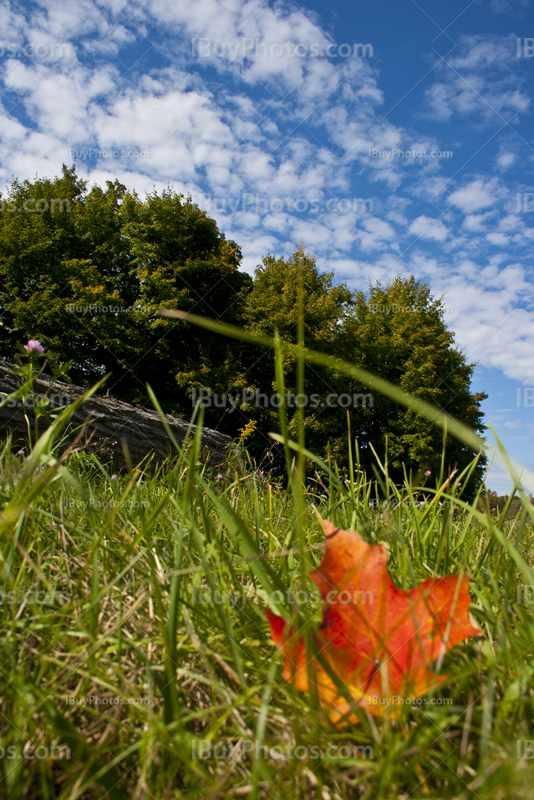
(136, 660)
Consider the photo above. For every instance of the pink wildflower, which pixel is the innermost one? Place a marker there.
(34, 346)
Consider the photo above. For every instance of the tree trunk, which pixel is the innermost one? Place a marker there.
(110, 426)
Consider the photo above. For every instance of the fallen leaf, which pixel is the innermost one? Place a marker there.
(379, 640)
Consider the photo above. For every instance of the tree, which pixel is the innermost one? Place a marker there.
(85, 272)
(273, 305)
(399, 333)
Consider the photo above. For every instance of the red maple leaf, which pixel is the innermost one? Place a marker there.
(379, 640)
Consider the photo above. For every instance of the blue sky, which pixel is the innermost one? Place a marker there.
(389, 136)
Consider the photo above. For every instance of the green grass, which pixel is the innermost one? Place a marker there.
(136, 654)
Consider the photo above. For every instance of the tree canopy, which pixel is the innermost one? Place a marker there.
(399, 333)
(85, 272)
(395, 331)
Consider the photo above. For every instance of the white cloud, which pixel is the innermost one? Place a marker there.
(481, 305)
(475, 222)
(497, 239)
(482, 78)
(505, 159)
(377, 234)
(428, 228)
(508, 6)
(273, 45)
(513, 424)
(474, 196)
(510, 223)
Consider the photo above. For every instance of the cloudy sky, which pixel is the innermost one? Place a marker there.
(390, 137)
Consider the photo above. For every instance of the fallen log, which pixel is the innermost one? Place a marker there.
(110, 426)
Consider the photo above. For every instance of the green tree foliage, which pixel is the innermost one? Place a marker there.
(273, 305)
(398, 332)
(67, 253)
